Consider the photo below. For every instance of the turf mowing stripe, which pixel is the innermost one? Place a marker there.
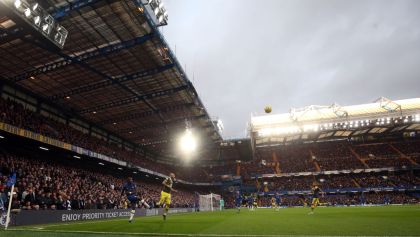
(192, 235)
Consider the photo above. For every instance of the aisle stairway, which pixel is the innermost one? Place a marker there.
(358, 157)
(315, 162)
(402, 155)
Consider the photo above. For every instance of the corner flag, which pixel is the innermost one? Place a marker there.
(10, 183)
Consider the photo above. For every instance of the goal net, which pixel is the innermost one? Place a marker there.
(209, 202)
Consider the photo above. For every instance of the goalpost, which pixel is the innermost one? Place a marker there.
(209, 202)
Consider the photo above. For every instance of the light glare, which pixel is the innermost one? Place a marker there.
(18, 3)
(188, 143)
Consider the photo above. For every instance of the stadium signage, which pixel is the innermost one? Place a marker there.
(30, 217)
(93, 216)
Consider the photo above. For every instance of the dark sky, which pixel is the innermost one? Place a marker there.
(245, 54)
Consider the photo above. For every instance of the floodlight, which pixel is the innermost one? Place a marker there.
(37, 20)
(48, 25)
(18, 3)
(188, 143)
(156, 10)
(27, 12)
(161, 18)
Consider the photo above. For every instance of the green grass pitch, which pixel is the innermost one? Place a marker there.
(331, 221)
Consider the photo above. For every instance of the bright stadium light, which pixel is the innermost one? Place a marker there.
(159, 11)
(32, 14)
(156, 11)
(188, 142)
(27, 12)
(37, 20)
(18, 3)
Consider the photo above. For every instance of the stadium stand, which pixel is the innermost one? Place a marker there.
(335, 156)
(403, 179)
(15, 114)
(409, 149)
(338, 156)
(43, 184)
(295, 159)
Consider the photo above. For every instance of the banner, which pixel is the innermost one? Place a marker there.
(34, 136)
(53, 142)
(31, 217)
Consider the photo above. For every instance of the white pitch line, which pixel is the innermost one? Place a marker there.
(197, 235)
(70, 223)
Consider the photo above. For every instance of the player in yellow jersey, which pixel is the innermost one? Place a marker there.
(254, 202)
(316, 191)
(165, 195)
(273, 202)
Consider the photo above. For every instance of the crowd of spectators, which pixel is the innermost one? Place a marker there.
(295, 159)
(410, 149)
(46, 185)
(382, 150)
(289, 183)
(17, 115)
(403, 179)
(256, 167)
(287, 159)
(50, 185)
(342, 156)
(394, 162)
(335, 156)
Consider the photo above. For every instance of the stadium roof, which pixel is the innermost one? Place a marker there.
(116, 71)
(334, 121)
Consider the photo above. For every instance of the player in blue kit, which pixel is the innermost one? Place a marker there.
(250, 200)
(130, 189)
(238, 201)
(278, 201)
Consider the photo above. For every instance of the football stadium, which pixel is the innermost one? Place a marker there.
(104, 132)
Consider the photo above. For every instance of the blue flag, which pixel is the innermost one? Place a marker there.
(12, 180)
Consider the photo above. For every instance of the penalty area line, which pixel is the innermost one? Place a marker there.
(180, 234)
